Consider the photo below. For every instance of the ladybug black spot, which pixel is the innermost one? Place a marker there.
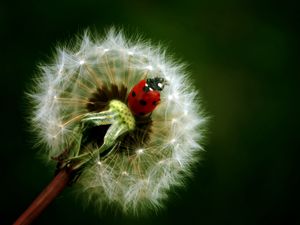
(133, 94)
(143, 102)
(154, 103)
(142, 114)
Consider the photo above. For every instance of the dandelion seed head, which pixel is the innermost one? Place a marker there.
(145, 163)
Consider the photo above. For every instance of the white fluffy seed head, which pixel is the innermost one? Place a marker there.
(140, 177)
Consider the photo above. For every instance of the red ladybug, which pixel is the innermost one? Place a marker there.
(145, 96)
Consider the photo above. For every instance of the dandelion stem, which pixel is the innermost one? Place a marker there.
(59, 182)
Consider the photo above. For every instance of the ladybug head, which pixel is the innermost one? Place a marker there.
(156, 83)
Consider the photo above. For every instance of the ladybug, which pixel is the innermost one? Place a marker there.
(145, 96)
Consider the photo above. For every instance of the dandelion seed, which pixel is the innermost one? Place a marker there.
(140, 151)
(173, 141)
(149, 67)
(124, 173)
(104, 114)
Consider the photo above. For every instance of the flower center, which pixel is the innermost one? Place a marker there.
(98, 102)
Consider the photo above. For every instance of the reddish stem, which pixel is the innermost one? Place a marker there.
(56, 186)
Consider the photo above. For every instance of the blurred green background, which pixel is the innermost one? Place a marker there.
(244, 59)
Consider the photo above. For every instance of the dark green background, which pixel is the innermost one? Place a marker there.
(243, 57)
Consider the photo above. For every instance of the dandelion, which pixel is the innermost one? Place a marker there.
(120, 119)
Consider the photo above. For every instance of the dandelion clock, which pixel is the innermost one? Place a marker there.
(121, 121)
